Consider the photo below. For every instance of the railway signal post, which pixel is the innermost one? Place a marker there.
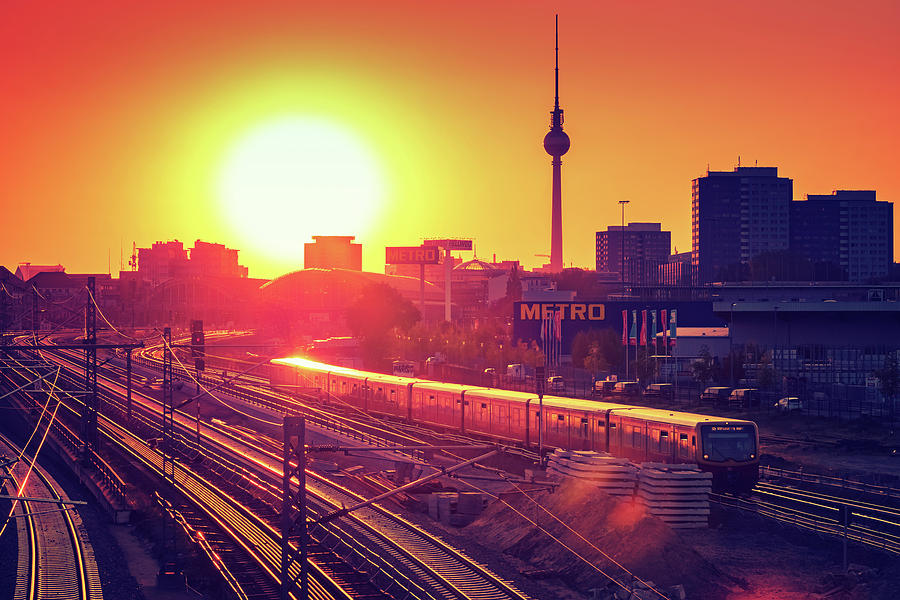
(293, 508)
(89, 408)
(539, 373)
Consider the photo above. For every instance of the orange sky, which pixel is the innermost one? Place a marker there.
(115, 116)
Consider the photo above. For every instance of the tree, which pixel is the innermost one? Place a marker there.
(644, 367)
(377, 313)
(889, 380)
(766, 375)
(703, 369)
(513, 286)
(604, 344)
(595, 361)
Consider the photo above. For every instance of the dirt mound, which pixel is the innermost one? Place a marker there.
(641, 543)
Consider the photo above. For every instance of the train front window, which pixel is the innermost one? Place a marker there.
(728, 442)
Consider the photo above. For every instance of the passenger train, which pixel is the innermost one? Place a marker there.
(728, 448)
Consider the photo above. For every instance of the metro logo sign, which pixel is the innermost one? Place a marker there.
(412, 255)
(568, 311)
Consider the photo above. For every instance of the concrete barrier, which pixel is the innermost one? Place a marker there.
(677, 494)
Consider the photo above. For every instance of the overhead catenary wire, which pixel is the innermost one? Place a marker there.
(213, 396)
(24, 482)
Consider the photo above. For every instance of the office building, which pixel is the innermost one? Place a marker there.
(846, 235)
(646, 247)
(737, 215)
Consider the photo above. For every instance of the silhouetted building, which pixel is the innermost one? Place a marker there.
(170, 260)
(737, 215)
(215, 260)
(26, 270)
(646, 248)
(162, 261)
(332, 252)
(677, 270)
(846, 235)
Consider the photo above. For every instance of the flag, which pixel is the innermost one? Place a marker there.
(624, 327)
(663, 322)
(632, 334)
(653, 327)
(644, 327)
(557, 324)
(673, 324)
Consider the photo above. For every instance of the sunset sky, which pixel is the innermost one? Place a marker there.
(128, 121)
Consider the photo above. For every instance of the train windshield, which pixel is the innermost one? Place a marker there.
(728, 442)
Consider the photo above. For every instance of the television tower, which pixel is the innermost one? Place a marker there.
(556, 143)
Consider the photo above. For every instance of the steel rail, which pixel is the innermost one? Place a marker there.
(474, 590)
(61, 563)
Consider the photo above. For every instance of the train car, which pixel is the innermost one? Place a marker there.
(727, 448)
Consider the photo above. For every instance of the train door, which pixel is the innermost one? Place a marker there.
(407, 401)
(581, 431)
(614, 435)
(482, 414)
(557, 428)
(683, 450)
(499, 417)
(599, 442)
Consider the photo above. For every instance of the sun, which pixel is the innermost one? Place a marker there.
(290, 178)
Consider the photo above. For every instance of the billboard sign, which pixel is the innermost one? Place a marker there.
(451, 244)
(412, 255)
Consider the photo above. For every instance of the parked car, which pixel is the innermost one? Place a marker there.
(515, 372)
(660, 390)
(789, 404)
(744, 397)
(555, 384)
(605, 386)
(627, 388)
(715, 394)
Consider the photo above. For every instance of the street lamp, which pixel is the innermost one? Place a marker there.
(622, 203)
(731, 343)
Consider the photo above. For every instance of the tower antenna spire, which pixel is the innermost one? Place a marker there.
(556, 70)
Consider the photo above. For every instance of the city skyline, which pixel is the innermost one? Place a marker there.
(122, 117)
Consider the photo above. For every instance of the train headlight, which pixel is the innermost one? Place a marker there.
(752, 456)
(706, 456)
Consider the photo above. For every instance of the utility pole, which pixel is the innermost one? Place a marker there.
(128, 388)
(168, 409)
(293, 508)
(539, 373)
(170, 575)
(622, 203)
(89, 407)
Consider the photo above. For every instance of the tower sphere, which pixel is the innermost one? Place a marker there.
(556, 142)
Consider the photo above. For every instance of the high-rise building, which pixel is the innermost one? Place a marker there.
(215, 259)
(162, 261)
(646, 247)
(846, 235)
(170, 260)
(737, 215)
(333, 252)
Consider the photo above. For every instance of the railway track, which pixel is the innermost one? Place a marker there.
(56, 561)
(430, 567)
(873, 525)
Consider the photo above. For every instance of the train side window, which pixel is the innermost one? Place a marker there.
(694, 440)
(635, 437)
(392, 396)
(483, 405)
(664, 442)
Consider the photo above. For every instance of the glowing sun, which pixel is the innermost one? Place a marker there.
(294, 177)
